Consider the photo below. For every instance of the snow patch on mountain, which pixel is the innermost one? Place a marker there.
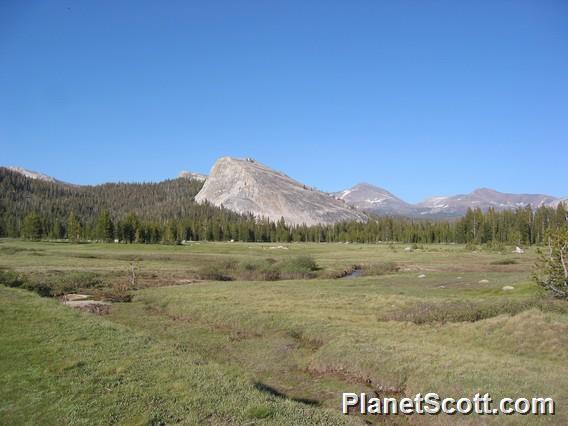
(192, 175)
(32, 175)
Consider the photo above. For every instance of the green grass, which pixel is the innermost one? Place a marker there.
(287, 348)
(64, 367)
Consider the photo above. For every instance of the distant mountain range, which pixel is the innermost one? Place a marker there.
(379, 201)
(483, 198)
(246, 186)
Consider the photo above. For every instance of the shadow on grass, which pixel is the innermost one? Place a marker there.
(274, 392)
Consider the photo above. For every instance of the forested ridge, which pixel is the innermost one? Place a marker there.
(166, 212)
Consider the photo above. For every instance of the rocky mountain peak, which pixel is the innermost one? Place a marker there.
(247, 186)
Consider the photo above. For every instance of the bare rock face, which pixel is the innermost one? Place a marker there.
(245, 186)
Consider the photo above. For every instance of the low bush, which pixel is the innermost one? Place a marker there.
(12, 279)
(72, 282)
(380, 268)
(214, 273)
(53, 285)
(471, 247)
(113, 295)
(298, 267)
(260, 270)
(495, 246)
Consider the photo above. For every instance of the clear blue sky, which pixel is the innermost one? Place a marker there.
(420, 97)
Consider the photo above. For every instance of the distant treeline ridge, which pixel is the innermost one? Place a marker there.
(166, 212)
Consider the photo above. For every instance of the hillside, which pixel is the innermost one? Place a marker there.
(167, 199)
(246, 186)
(153, 203)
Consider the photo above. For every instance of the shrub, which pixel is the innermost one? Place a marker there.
(380, 268)
(51, 286)
(260, 270)
(299, 267)
(115, 296)
(495, 246)
(70, 282)
(12, 279)
(300, 264)
(229, 265)
(214, 273)
(471, 247)
(39, 287)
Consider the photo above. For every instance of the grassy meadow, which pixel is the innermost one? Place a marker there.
(250, 333)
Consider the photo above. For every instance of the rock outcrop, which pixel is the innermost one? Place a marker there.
(246, 186)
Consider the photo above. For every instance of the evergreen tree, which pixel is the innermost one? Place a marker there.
(129, 227)
(31, 228)
(105, 227)
(553, 264)
(73, 227)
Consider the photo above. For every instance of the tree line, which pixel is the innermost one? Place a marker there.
(166, 212)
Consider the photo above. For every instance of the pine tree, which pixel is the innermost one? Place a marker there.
(552, 274)
(73, 227)
(129, 227)
(31, 227)
(105, 227)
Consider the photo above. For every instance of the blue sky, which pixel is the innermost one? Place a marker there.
(420, 97)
